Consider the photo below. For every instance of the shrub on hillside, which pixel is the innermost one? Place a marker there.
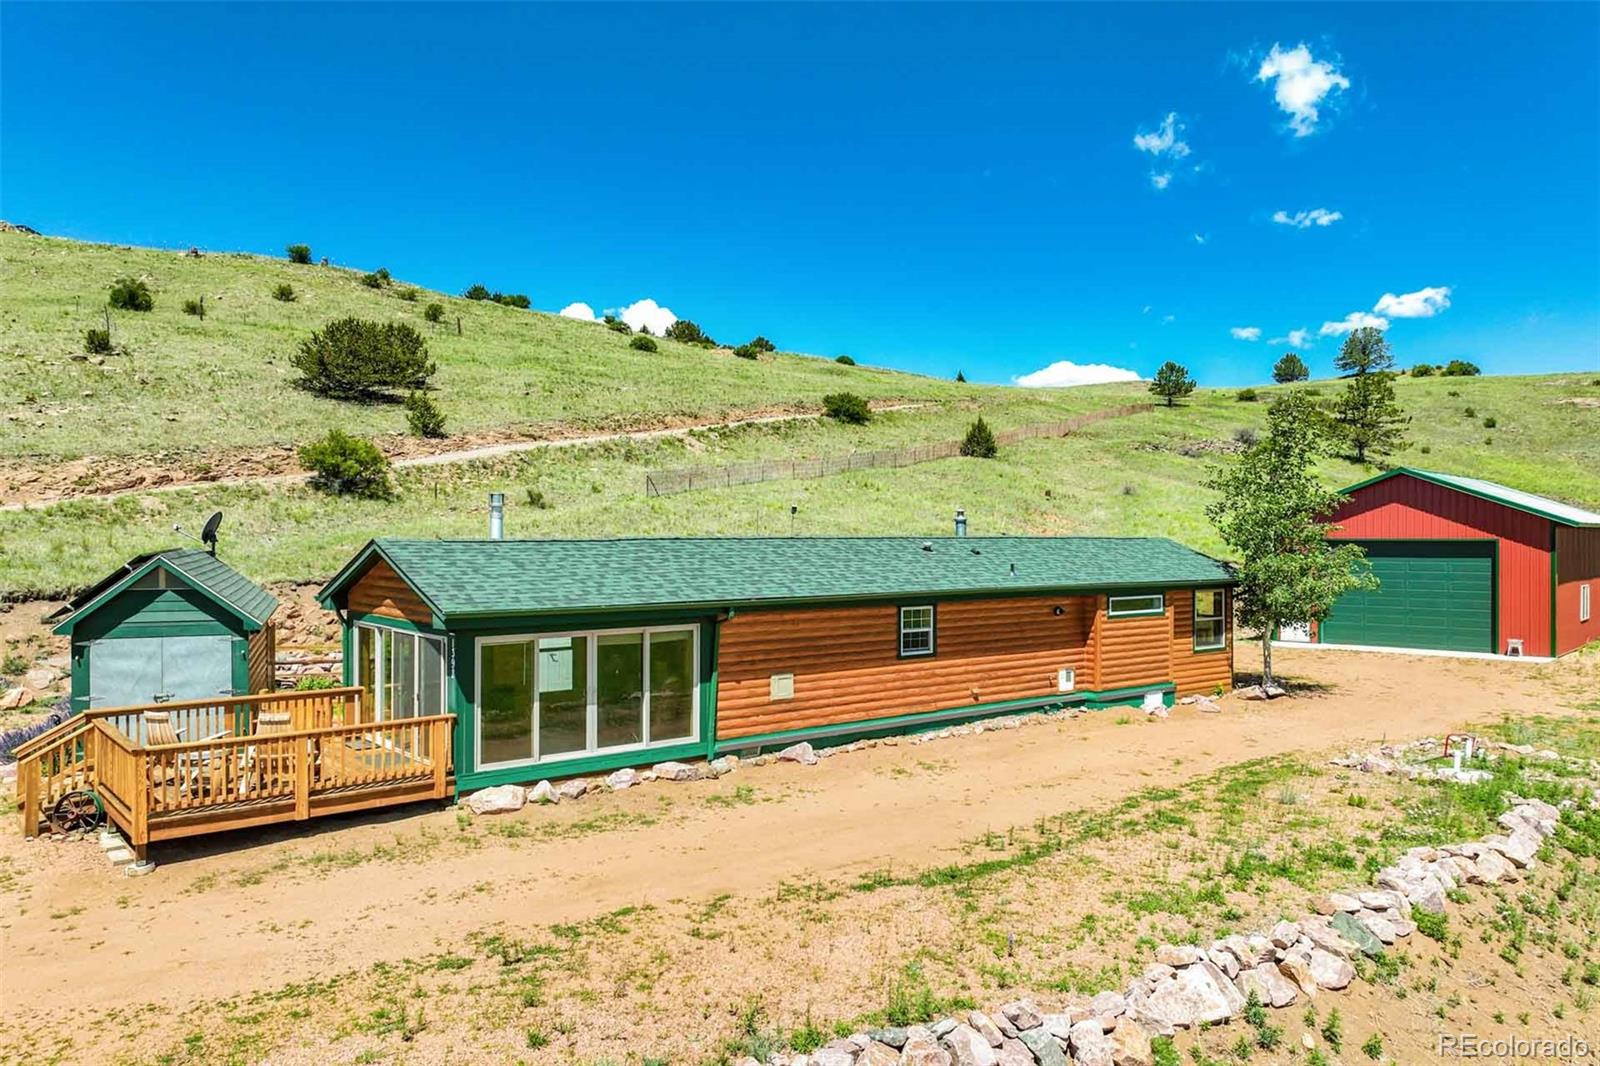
(424, 416)
(408, 294)
(979, 441)
(347, 466)
(1460, 368)
(761, 344)
(284, 293)
(434, 312)
(1422, 370)
(377, 279)
(97, 341)
(1290, 368)
(132, 294)
(197, 308)
(1248, 396)
(1490, 422)
(616, 325)
(846, 407)
(643, 343)
(477, 292)
(298, 253)
(747, 351)
(844, 360)
(512, 299)
(352, 358)
(686, 332)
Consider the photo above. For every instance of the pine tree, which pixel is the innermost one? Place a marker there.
(1270, 512)
(1172, 381)
(960, 376)
(979, 441)
(1290, 368)
(1365, 351)
(1369, 419)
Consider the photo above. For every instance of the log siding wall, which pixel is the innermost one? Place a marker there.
(847, 667)
(382, 592)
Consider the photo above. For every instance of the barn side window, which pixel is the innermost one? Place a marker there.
(916, 631)
(1583, 603)
(1210, 633)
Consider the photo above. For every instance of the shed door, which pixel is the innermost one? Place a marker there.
(1431, 594)
(132, 670)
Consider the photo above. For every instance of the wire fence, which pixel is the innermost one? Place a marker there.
(688, 478)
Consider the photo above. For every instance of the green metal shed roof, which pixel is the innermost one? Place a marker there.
(1543, 506)
(467, 578)
(208, 574)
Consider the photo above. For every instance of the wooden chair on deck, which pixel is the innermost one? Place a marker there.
(195, 773)
(271, 768)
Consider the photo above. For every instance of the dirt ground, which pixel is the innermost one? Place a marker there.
(708, 896)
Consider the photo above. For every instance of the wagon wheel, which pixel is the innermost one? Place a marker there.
(79, 809)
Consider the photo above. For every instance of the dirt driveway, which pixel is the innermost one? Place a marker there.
(254, 911)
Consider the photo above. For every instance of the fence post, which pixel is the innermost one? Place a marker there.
(28, 776)
(302, 778)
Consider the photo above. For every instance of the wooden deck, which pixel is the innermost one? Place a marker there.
(234, 775)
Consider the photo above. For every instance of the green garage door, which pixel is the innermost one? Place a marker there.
(1431, 594)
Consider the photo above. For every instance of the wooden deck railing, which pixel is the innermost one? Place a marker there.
(330, 759)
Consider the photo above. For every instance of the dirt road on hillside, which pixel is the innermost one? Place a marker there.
(204, 924)
(109, 477)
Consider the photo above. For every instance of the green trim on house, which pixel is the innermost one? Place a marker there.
(217, 582)
(1543, 506)
(924, 721)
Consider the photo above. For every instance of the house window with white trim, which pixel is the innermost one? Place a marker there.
(1145, 604)
(1210, 628)
(916, 631)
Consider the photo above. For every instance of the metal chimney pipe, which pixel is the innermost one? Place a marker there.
(961, 521)
(497, 516)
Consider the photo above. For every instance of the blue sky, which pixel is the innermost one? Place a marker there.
(930, 188)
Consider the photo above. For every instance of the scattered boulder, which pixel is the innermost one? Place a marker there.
(1091, 1046)
(1329, 970)
(676, 771)
(986, 1028)
(1130, 1046)
(878, 1053)
(1284, 934)
(1176, 955)
(625, 778)
(572, 787)
(1269, 985)
(722, 765)
(802, 753)
(1193, 996)
(1022, 1014)
(894, 1036)
(1296, 966)
(15, 698)
(1013, 1052)
(922, 1051)
(833, 1056)
(543, 792)
(1046, 1048)
(498, 799)
(1108, 1004)
(968, 1047)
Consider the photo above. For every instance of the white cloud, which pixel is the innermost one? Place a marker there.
(1199, 238)
(1301, 85)
(1165, 319)
(1066, 373)
(648, 313)
(1317, 216)
(1424, 303)
(1166, 140)
(1246, 333)
(1295, 338)
(1354, 320)
(581, 311)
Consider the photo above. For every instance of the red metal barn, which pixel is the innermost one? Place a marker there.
(1467, 565)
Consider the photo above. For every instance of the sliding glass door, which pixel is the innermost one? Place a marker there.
(554, 696)
(402, 673)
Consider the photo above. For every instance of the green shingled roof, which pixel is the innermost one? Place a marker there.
(466, 578)
(208, 574)
(1543, 506)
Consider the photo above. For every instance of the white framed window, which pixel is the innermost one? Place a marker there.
(1583, 603)
(1210, 627)
(402, 672)
(546, 697)
(916, 631)
(1146, 603)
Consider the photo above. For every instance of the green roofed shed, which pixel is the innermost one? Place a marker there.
(169, 625)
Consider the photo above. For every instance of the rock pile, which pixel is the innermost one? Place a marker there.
(1191, 986)
(502, 799)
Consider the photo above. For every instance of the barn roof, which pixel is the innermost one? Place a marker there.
(203, 571)
(1556, 511)
(467, 578)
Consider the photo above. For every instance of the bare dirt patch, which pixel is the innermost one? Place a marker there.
(664, 921)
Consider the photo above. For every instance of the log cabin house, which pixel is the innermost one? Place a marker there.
(563, 657)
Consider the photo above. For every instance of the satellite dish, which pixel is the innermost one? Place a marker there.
(208, 533)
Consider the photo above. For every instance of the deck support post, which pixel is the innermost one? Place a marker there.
(302, 779)
(28, 777)
(439, 746)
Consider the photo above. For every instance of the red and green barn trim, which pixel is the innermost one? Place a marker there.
(1468, 565)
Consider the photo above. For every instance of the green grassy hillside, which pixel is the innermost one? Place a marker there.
(225, 382)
